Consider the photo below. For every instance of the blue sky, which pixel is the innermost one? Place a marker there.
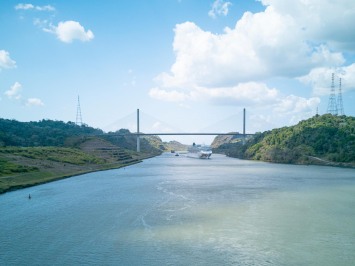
(189, 65)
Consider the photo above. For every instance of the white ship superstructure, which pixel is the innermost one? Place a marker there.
(199, 151)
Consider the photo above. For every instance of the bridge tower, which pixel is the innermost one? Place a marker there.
(243, 126)
(138, 137)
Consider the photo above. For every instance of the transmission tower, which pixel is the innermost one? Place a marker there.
(79, 120)
(332, 104)
(340, 100)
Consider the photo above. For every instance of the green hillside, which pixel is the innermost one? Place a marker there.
(41, 133)
(37, 152)
(325, 139)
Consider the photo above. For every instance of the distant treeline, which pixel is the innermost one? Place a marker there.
(61, 134)
(42, 133)
(327, 137)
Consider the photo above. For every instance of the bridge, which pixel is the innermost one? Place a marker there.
(139, 134)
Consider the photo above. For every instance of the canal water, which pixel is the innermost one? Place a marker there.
(173, 210)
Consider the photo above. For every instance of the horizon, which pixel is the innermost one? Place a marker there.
(191, 65)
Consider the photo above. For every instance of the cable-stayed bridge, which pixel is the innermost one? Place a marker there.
(138, 133)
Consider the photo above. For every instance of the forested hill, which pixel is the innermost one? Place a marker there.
(61, 134)
(321, 139)
(42, 133)
(33, 153)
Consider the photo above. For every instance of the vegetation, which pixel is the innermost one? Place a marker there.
(36, 152)
(322, 139)
(9, 168)
(56, 154)
(42, 133)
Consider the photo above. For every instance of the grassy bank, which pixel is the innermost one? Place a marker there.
(30, 166)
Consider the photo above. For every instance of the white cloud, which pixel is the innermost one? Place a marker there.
(68, 31)
(24, 6)
(34, 102)
(286, 111)
(168, 95)
(160, 127)
(260, 46)
(294, 104)
(288, 40)
(275, 42)
(219, 7)
(32, 7)
(5, 60)
(321, 20)
(321, 79)
(245, 94)
(255, 95)
(45, 8)
(14, 92)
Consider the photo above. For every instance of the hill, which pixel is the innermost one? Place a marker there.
(325, 139)
(37, 152)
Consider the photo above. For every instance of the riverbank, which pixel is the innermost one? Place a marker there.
(36, 170)
(309, 160)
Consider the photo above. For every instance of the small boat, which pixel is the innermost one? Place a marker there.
(172, 151)
(176, 154)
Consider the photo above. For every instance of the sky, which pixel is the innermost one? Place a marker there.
(187, 65)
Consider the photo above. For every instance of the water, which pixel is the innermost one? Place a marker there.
(181, 211)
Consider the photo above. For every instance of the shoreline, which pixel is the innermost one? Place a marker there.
(68, 175)
(316, 161)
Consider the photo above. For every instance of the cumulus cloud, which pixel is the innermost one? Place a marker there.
(219, 7)
(260, 46)
(256, 95)
(294, 104)
(34, 102)
(24, 6)
(5, 60)
(285, 111)
(70, 30)
(66, 31)
(323, 21)
(301, 40)
(158, 126)
(246, 94)
(14, 92)
(168, 95)
(32, 7)
(320, 79)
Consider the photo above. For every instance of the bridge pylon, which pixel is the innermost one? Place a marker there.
(138, 137)
(244, 126)
(243, 136)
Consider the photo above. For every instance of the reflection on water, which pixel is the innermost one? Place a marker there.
(181, 211)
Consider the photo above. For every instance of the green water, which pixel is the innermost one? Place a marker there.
(181, 211)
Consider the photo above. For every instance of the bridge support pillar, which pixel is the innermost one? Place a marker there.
(243, 126)
(138, 137)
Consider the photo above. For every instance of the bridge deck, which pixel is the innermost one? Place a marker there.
(181, 134)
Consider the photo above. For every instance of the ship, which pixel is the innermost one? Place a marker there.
(199, 151)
